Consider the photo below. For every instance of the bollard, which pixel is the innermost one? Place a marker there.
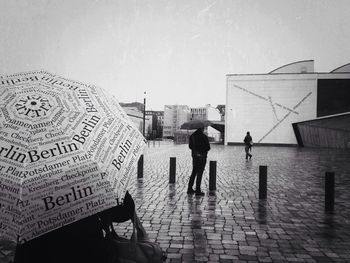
(140, 167)
(262, 181)
(172, 170)
(329, 192)
(212, 175)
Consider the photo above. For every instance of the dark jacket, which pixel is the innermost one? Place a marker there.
(248, 140)
(81, 241)
(199, 143)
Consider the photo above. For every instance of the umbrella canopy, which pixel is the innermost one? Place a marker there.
(67, 151)
(196, 124)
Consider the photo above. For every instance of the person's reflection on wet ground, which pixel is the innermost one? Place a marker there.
(262, 214)
(172, 192)
(139, 189)
(328, 227)
(199, 234)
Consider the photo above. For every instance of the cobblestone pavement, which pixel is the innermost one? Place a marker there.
(231, 224)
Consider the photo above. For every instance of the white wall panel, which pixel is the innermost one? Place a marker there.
(267, 105)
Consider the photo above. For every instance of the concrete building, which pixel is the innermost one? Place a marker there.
(155, 129)
(174, 117)
(135, 111)
(136, 117)
(268, 105)
(160, 124)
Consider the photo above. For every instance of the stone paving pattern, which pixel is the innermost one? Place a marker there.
(231, 224)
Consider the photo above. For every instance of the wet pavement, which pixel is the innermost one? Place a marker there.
(231, 224)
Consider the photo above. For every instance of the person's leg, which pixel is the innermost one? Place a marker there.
(246, 152)
(201, 166)
(193, 175)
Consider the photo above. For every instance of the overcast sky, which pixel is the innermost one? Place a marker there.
(178, 51)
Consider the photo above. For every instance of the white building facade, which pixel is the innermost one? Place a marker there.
(268, 104)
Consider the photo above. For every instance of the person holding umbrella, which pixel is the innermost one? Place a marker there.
(81, 241)
(62, 178)
(199, 145)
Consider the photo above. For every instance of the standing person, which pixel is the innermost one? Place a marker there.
(199, 144)
(248, 141)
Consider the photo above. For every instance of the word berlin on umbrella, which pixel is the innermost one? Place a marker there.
(12, 152)
(67, 151)
(47, 77)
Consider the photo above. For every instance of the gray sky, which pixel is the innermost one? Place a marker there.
(178, 51)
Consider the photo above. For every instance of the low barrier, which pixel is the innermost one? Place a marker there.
(262, 182)
(329, 192)
(329, 180)
(172, 170)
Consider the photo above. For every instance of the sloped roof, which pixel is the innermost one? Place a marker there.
(303, 66)
(343, 69)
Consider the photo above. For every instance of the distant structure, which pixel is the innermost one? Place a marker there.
(135, 111)
(167, 123)
(291, 105)
(207, 113)
(155, 128)
(221, 109)
(174, 117)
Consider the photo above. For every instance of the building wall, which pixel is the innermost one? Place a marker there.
(174, 117)
(135, 116)
(199, 113)
(213, 115)
(267, 105)
(160, 124)
(331, 132)
(155, 127)
(333, 94)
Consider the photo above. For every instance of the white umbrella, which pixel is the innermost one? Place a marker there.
(67, 151)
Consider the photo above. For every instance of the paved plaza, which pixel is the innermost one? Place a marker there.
(232, 224)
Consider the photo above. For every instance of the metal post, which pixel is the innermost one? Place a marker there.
(262, 182)
(212, 175)
(140, 167)
(172, 171)
(144, 115)
(329, 192)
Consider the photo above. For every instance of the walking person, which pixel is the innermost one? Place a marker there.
(248, 141)
(199, 145)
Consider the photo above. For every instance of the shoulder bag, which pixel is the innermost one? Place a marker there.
(137, 249)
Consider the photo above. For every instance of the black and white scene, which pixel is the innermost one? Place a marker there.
(174, 131)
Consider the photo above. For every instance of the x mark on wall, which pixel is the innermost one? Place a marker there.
(269, 99)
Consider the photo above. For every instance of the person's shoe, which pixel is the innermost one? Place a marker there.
(250, 157)
(190, 191)
(200, 193)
